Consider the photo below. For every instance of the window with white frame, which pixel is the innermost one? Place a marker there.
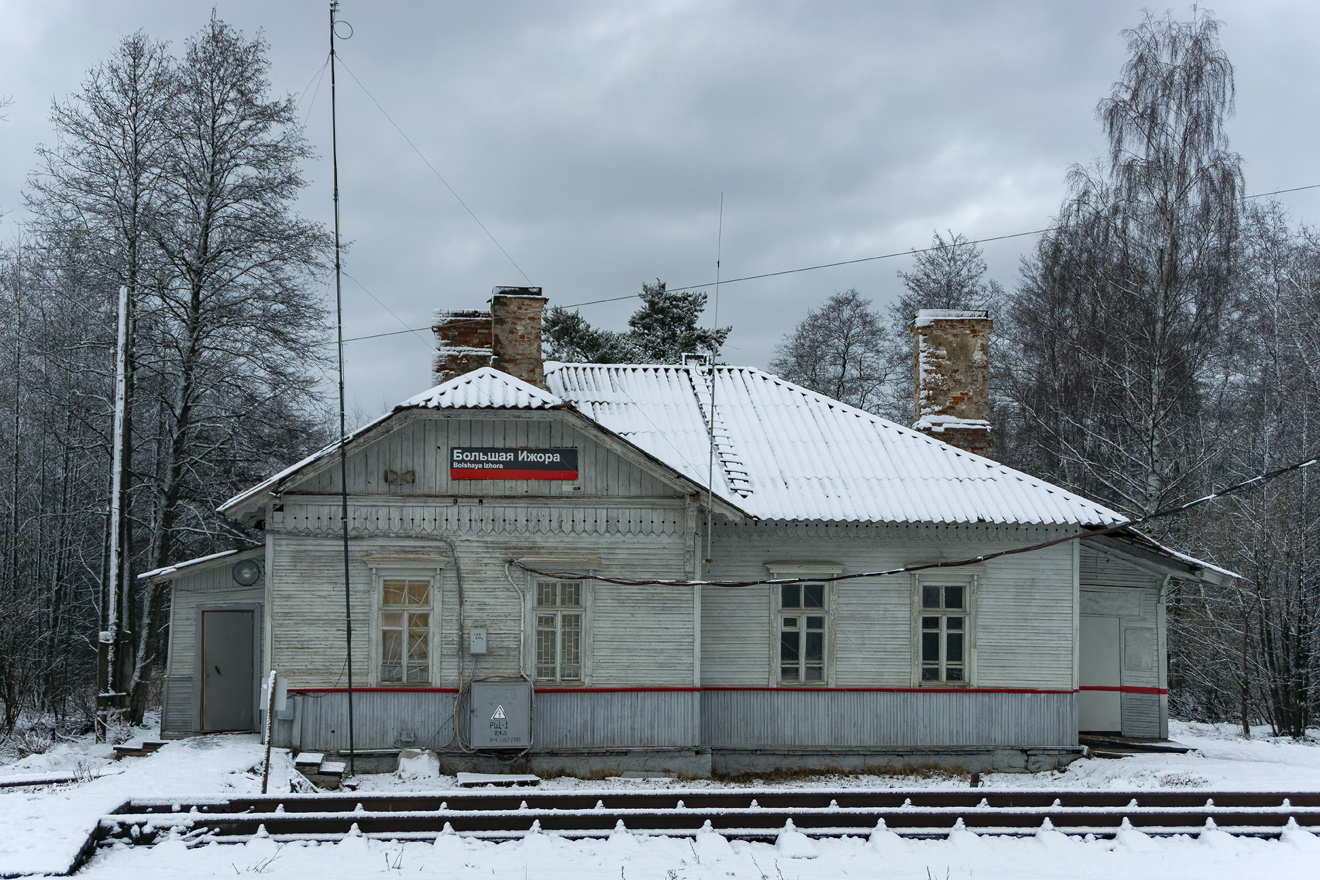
(943, 619)
(405, 631)
(803, 617)
(558, 613)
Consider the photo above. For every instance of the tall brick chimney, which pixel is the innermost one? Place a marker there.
(515, 320)
(951, 377)
(508, 337)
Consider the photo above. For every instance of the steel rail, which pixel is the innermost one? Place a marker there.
(744, 814)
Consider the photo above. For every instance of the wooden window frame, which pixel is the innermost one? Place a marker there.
(808, 573)
(559, 612)
(921, 614)
(431, 574)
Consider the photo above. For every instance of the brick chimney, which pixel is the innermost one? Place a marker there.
(951, 377)
(462, 343)
(515, 320)
(507, 338)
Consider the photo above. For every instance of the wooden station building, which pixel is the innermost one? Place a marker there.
(587, 549)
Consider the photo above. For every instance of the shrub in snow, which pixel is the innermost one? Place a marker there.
(793, 844)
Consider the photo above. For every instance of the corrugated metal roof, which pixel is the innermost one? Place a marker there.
(483, 388)
(786, 453)
(781, 452)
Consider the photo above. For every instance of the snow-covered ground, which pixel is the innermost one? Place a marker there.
(46, 826)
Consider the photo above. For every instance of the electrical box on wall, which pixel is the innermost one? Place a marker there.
(500, 714)
(477, 641)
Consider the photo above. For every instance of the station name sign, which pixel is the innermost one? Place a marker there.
(506, 463)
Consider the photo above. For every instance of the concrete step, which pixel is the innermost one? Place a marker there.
(137, 748)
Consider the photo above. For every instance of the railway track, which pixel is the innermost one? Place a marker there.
(741, 814)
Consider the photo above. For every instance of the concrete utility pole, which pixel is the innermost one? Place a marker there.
(111, 692)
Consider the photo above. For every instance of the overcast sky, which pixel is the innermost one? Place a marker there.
(594, 140)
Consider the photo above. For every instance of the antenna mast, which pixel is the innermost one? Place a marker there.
(343, 436)
(710, 473)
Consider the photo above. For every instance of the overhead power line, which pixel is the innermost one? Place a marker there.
(888, 256)
(437, 174)
(1258, 480)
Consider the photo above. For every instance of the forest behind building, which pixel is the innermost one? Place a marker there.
(1160, 340)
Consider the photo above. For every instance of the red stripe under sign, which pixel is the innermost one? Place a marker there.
(509, 474)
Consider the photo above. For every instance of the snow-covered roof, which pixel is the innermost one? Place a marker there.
(786, 453)
(781, 452)
(483, 388)
(201, 562)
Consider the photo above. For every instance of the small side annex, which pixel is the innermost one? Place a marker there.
(663, 583)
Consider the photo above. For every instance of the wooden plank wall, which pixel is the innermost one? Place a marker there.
(213, 586)
(636, 636)
(1133, 593)
(1025, 604)
(421, 442)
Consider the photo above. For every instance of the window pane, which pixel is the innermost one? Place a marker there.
(930, 623)
(930, 597)
(419, 592)
(545, 594)
(930, 647)
(790, 596)
(393, 592)
(953, 673)
(953, 597)
(545, 651)
(417, 647)
(815, 623)
(930, 673)
(788, 647)
(570, 593)
(391, 647)
(790, 623)
(391, 620)
(813, 595)
(545, 621)
(788, 673)
(815, 673)
(417, 673)
(815, 647)
(954, 623)
(954, 648)
(570, 665)
(419, 621)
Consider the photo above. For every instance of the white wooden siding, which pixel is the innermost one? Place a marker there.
(420, 442)
(1114, 587)
(1024, 603)
(636, 635)
(210, 587)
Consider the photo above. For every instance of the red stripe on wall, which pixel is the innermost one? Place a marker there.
(509, 474)
(655, 690)
(1125, 690)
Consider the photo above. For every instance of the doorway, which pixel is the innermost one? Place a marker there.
(228, 670)
(1100, 708)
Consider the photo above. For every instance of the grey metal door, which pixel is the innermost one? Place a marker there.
(1100, 706)
(228, 676)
